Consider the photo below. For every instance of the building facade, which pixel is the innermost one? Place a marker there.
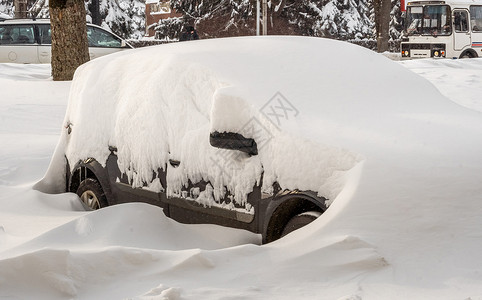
(157, 10)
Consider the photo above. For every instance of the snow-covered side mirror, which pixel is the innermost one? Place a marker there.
(233, 141)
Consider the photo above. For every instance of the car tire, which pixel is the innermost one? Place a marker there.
(299, 221)
(91, 194)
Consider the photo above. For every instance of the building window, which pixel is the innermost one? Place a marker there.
(160, 7)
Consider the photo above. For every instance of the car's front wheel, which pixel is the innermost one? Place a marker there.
(299, 221)
(91, 194)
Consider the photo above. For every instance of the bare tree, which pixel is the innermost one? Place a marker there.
(70, 48)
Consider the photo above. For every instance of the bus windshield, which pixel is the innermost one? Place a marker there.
(428, 20)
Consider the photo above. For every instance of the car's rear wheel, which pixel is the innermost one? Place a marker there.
(299, 221)
(91, 194)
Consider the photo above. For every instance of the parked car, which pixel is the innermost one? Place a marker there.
(265, 134)
(29, 41)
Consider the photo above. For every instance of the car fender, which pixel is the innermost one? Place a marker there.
(90, 168)
(279, 209)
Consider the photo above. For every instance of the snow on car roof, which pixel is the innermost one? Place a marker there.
(348, 126)
(22, 21)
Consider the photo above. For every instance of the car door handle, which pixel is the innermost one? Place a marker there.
(44, 53)
(174, 163)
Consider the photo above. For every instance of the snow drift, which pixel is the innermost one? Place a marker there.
(405, 223)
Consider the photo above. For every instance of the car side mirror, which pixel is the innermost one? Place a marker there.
(233, 141)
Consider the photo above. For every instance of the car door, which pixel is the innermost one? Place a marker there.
(45, 47)
(202, 200)
(18, 44)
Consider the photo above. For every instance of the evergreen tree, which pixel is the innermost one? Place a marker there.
(341, 19)
(124, 17)
(6, 7)
(217, 18)
(396, 25)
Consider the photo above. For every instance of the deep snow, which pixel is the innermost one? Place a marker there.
(404, 249)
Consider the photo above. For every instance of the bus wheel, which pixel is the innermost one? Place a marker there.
(468, 54)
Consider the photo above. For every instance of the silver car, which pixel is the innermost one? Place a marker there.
(29, 41)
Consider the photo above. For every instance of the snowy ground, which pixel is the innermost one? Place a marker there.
(51, 249)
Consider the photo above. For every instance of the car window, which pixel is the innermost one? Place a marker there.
(100, 38)
(16, 34)
(45, 34)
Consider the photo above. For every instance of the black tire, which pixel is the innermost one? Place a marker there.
(299, 221)
(91, 194)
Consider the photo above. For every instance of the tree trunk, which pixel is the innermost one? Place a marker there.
(382, 23)
(20, 9)
(70, 48)
(94, 8)
(275, 15)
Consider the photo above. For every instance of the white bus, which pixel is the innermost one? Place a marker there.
(451, 29)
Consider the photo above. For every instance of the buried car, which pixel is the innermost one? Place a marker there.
(262, 134)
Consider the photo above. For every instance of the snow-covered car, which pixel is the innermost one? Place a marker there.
(29, 41)
(260, 133)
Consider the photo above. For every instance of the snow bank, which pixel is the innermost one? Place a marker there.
(136, 226)
(459, 80)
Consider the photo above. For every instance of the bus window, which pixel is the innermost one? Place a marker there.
(436, 20)
(414, 16)
(476, 17)
(429, 20)
(460, 21)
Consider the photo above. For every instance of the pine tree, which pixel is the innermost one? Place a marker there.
(342, 19)
(6, 7)
(124, 17)
(396, 25)
(217, 18)
(41, 9)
